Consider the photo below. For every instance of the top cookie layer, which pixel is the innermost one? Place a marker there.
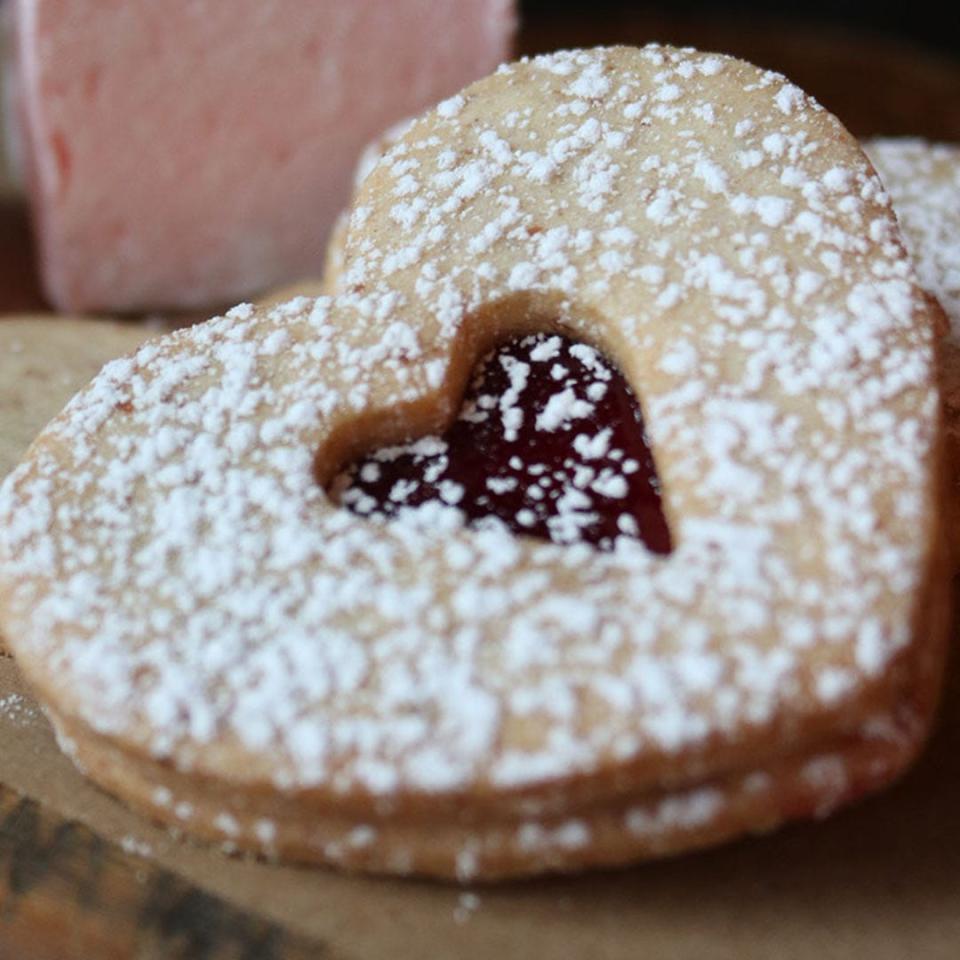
(173, 576)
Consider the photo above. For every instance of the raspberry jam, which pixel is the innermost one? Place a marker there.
(549, 442)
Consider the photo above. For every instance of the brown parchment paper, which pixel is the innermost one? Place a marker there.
(879, 881)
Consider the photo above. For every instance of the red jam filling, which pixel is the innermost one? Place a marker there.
(549, 442)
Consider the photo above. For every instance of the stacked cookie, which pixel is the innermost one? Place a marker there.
(220, 641)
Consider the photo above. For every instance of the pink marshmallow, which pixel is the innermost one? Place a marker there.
(193, 152)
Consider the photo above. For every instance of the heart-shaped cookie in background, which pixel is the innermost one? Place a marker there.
(220, 643)
(924, 181)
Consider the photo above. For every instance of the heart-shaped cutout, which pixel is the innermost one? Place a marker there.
(549, 442)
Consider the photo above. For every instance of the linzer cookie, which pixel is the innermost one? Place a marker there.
(220, 638)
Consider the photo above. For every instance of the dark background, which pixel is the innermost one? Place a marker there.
(932, 25)
(885, 69)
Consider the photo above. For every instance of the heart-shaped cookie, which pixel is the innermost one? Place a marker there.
(221, 643)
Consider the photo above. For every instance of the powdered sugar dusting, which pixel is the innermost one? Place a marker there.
(17, 709)
(170, 564)
(924, 182)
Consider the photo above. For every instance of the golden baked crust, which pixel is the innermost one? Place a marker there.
(221, 643)
(44, 360)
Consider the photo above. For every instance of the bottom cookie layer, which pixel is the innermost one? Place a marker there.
(631, 829)
(488, 845)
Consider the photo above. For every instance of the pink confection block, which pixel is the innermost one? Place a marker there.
(188, 153)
